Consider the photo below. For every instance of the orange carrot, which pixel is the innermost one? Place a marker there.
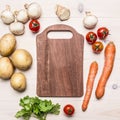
(89, 86)
(107, 69)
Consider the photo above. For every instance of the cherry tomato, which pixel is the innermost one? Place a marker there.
(91, 37)
(102, 33)
(34, 25)
(97, 47)
(68, 109)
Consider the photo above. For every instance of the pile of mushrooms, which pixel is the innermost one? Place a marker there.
(17, 19)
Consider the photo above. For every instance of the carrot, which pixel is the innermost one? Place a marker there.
(109, 53)
(89, 86)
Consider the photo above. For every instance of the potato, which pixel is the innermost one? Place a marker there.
(21, 59)
(7, 44)
(6, 68)
(18, 81)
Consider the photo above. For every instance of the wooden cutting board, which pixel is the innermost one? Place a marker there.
(59, 63)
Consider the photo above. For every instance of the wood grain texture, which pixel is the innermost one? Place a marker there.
(59, 64)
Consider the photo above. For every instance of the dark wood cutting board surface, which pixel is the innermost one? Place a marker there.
(59, 64)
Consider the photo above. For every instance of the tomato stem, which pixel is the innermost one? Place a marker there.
(35, 24)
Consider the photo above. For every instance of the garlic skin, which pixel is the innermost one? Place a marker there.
(90, 21)
(22, 16)
(7, 16)
(17, 28)
(34, 10)
(62, 13)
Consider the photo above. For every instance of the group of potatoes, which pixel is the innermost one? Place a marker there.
(12, 58)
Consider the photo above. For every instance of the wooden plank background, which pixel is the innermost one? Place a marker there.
(108, 13)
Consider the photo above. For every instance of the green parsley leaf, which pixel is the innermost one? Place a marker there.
(23, 113)
(56, 109)
(33, 106)
(45, 106)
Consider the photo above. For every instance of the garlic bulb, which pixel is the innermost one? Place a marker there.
(17, 28)
(34, 10)
(62, 13)
(22, 16)
(7, 16)
(90, 20)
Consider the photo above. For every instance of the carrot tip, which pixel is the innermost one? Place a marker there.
(98, 96)
(84, 107)
(100, 93)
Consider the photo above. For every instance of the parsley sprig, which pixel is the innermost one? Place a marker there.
(33, 106)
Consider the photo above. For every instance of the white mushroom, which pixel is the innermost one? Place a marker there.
(7, 16)
(90, 20)
(17, 28)
(34, 10)
(22, 16)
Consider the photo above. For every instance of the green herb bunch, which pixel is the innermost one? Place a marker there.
(33, 106)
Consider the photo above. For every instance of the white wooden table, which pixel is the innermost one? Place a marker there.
(108, 13)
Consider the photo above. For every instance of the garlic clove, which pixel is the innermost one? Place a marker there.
(80, 7)
(7, 16)
(62, 13)
(34, 10)
(22, 16)
(17, 28)
(90, 21)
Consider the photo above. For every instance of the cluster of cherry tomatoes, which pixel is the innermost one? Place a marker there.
(91, 37)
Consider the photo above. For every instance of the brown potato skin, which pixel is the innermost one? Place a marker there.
(7, 44)
(18, 81)
(6, 68)
(21, 59)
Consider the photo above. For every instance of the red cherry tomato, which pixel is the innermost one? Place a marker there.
(97, 47)
(34, 25)
(68, 109)
(102, 33)
(91, 37)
